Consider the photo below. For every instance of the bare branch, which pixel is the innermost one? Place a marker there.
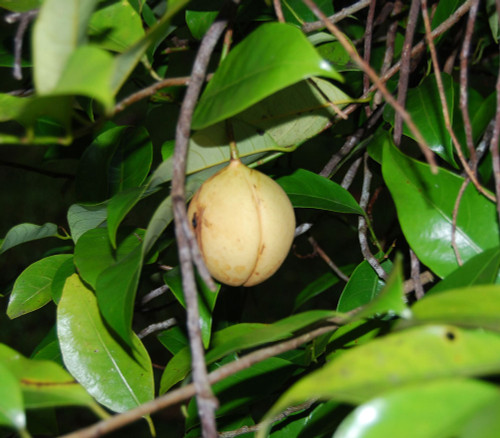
(415, 276)
(362, 225)
(428, 154)
(464, 95)
(335, 18)
(318, 250)
(156, 327)
(189, 252)
(405, 67)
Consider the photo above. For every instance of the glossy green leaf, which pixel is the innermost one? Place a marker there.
(271, 58)
(424, 105)
(44, 383)
(425, 204)
(94, 254)
(119, 206)
(246, 387)
(84, 217)
(363, 286)
(19, 5)
(174, 339)
(413, 356)
(131, 161)
(475, 306)
(200, 15)
(90, 352)
(310, 190)
(280, 122)
(11, 401)
(116, 288)
(427, 410)
(60, 28)
(37, 284)
(297, 12)
(116, 26)
(23, 233)
(391, 300)
(240, 337)
(313, 289)
(480, 269)
(125, 62)
(206, 301)
(88, 73)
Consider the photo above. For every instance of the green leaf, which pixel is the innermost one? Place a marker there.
(84, 217)
(116, 26)
(273, 57)
(119, 206)
(313, 289)
(476, 306)
(240, 337)
(309, 190)
(424, 105)
(432, 409)
(280, 122)
(87, 73)
(116, 288)
(391, 300)
(125, 62)
(413, 356)
(23, 233)
(60, 28)
(425, 204)
(480, 269)
(297, 12)
(94, 254)
(206, 301)
(11, 401)
(19, 5)
(200, 15)
(246, 387)
(363, 286)
(90, 352)
(44, 383)
(38, 283)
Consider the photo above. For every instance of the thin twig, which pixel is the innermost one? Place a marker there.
(444, 104)
(428, 154)
(189, 252)
(154, 294)
(417, 49)
(156, 327)
(318, 250)
(390, 43)
(24, 19)
(335, 18)
(362, 225)
(351, 143)
(454, 221)
(415, 276)
(368, 47)
(495, 155)
(186, 392)
(405, 67)
(464, 95)
(351, 173)
(278, 11)
(149, 91)
(424, 278)
(250, 429)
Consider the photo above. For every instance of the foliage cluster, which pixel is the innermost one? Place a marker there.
(384, 319)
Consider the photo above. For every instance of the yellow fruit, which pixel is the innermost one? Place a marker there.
(244, 224)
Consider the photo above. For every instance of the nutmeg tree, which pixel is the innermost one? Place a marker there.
(362, 134)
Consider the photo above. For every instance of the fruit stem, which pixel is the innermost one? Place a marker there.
(232, 143)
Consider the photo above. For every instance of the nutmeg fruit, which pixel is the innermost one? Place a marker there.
(244, 224)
